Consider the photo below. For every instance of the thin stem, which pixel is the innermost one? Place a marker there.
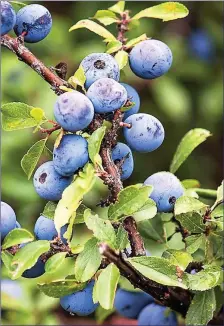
(125, 125)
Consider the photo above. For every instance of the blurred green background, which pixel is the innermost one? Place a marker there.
(190, 95)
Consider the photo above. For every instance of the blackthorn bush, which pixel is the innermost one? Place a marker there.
(158, 236)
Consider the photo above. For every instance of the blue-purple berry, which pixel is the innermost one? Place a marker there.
(122, 153)
(150, 59)
(8, 17)
(8, 219)
(155, 315)
(73, 111)
(100, 65)
(35, 21)
(132, 97)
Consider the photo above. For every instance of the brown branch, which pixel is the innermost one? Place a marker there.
(15, 45)
(112, 179)
(176, 298)
(137, 244)
(50, 130)
(122, 26)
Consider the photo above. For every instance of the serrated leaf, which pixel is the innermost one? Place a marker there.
(113, 46)
(165, 11)
(201, 308)
(106, 286)
(62, 288)
(194, 242)
(79, 78)
(32, 157)
(192, 222)
(121, 238)
(17, 236)
(57, 268)
(106, 17)
(88, 261)
(94, 143)
(118, 7)
(157, 269)
(72, 197)
(130, 200)
(187, 144)
(102, 229)
(27, 257)
(147, 211)
(135, 41)
(186, 204)
(190, 183)
(178, 258)
(94, 27)
(205, 279)
(17, 116)
(122, 59)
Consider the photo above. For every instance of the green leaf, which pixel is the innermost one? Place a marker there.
(94, 27)
(136, 40)
(27, 257)
(79, 78)
(6, 258)
(17, 236)
(49, 210)
(130, 200)
(192, 222)
(178, 258)
(118, 7)
(18, 115)
(94, 143)
(106, 17)
(72, 197)
(102, 314)
(18, 3)
(157, 269)
(106, 286)
(205, 279)
(38, 114)
(147, 211)
(57, 269)
(194, 242)
(113, 46)
(186, 204)
(190, 183)
(201, 308)
(220, 192)
(60, 289)
(165, 11)
(188, 143)
(32, 157)
(88, 261)
(122, 238)
(122, 58)
(102, 229)
(152, 229)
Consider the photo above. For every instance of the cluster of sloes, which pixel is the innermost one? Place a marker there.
(33, 22)
(74, 112)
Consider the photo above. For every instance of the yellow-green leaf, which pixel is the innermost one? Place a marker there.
(72, 197)
(106, 286)
(136, 40)
(79, 78)
(94, 143)
(113, 46)
(188, 143)
(32, 157)
(94, 27)
(165, 11)
(17, 236)
(118, 7)
(106, 17)
(121, 58)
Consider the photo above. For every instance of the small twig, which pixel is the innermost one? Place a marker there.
(50, 130)
(126, 125)
(137, 244)
(23, 54)
(176, 298)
